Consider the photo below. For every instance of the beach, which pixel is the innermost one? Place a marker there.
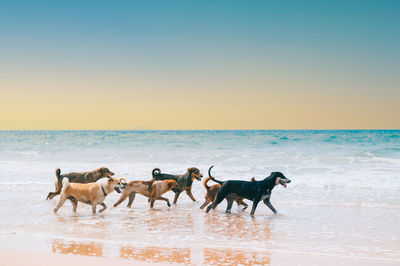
(341, 207)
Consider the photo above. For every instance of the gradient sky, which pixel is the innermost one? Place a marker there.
(199, 64)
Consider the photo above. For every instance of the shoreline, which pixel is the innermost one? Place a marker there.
(65, 252)
(12, 257)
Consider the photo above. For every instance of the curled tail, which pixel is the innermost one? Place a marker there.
(205, 183)
(58, 175)
(212, 178)
(65, 184)
(156, 171)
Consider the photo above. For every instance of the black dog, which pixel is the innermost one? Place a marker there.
(253, 190)
(184, 181)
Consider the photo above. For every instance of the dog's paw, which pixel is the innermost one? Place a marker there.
(169, 205)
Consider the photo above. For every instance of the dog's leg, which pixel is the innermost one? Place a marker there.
(220, 197)
(104, 207)
(176, 196)
(61, 201)
(255, 203)
(268, 203)
(189, 193)
(229, 206)
(241, 202)
(205, 203)
(164, 199)
(121, 199)
(94, 208)
(51, 195)
(152, 200)
(58, 187)
(131, 199)
(74, 205)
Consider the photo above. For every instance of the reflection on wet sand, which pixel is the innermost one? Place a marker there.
(72, 247)
(237, 227)
(157, 219)
(154, 254)
(232, 257)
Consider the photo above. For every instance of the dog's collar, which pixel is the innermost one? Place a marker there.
(105, 194)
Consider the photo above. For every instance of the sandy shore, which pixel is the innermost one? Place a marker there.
(22, 258)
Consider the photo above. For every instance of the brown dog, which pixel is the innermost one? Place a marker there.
(184, 181)
(152, 189)
(212, 193)
(92, 193)
(83, 177)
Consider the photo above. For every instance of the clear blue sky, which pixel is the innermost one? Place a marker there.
(242, 64)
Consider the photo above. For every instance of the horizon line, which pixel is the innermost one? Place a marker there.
(298, 129)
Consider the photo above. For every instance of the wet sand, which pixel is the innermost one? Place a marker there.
(158, 256)
(185, 235)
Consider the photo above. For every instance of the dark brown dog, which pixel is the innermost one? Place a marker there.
(184, 181)
(212, 193)
(83, 177)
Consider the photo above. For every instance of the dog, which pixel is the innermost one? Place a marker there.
(152, 189)
(184, 181)
(253, 190)
(83, 177)
(91, 193)
(212, 192)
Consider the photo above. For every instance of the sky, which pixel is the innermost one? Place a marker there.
(199, 64)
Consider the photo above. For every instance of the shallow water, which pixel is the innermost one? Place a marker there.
(343, 200)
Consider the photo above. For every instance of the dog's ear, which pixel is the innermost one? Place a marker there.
(190, 169)
(88, 175)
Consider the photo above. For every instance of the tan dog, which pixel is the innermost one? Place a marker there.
(92, 193)
(152, 189)
(212, 193)
(82, 177)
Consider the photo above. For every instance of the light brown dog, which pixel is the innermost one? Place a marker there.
(212, 193)
(92, 193)
(82, 177)
(152, 189)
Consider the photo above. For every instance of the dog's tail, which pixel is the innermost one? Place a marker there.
(58, 175)
(150, 185)
(212, 178)
(156, 171)
(65, 184)
(205, 183)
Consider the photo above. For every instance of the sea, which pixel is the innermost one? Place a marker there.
(343, 201)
